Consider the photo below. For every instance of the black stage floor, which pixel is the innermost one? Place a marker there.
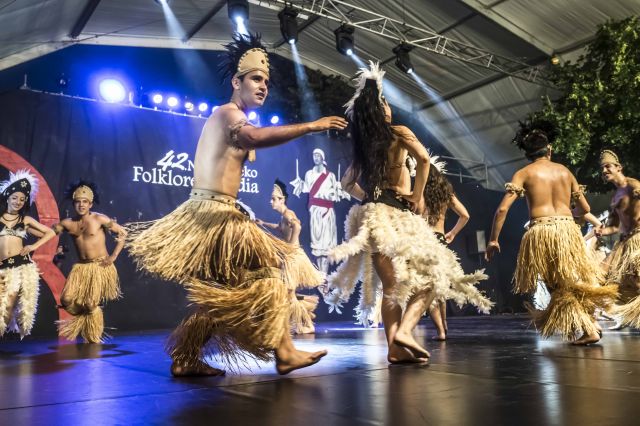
(493, 370)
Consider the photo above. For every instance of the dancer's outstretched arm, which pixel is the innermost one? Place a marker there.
(250, 137)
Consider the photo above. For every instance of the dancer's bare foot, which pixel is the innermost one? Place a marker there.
(287, 361)
(440, 337)
(399, 355)
(406, 340)
(587, 339)
(197, 369)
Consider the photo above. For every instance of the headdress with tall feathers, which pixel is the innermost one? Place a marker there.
(374, 72)
(21, 181)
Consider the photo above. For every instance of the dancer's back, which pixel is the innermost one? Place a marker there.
(548, 187)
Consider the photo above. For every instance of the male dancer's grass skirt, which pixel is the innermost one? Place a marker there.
(553, 250)
(88, 285)
(420, 262)
(241, 279)
(624, 269)
(18, 276)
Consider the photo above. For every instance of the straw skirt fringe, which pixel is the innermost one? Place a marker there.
(240, 279)
(90, 326)
(625, 271)
(91, 283)
(88, 285)
(553, 251)
(420, 262)
(23, 280)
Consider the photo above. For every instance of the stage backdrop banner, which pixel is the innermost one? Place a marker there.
(142, 162)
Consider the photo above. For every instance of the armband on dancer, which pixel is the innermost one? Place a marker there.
(514, 189)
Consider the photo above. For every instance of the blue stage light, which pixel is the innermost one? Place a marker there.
(112, 90)
(203, 107)
(275, 119)
(172, 101)
(252, 115)
(157, 98)
(188, 106)
(214, 109)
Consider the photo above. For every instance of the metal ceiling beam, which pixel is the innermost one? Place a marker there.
(422, 38)
(202, 22)
(442, 31)
(84, 17)
(488, 12)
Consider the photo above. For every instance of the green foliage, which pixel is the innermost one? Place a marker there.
(600, 103)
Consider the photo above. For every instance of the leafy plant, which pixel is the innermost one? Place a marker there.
(599, 107)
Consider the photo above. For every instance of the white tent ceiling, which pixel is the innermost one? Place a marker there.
(481, 106)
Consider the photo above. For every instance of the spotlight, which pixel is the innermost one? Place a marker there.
(157, 98)
(238, 10)
(403, 60)
(288, 24)
(252, 115)
(188, 106)
(555, 60)
(112, 90)
(275, 119)
(203, 107)
(63, 82)
(344, 39)
(172, 101)
(214, 109)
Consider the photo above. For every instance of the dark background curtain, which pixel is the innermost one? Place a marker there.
(121, 148)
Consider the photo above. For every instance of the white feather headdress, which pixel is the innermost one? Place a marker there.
(374, 72)
(13, 184)
(436, 162)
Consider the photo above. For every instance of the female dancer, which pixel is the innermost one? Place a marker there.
(439, 197)
(391, 249)
(18, 273)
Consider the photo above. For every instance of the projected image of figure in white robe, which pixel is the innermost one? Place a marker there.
(324, 190)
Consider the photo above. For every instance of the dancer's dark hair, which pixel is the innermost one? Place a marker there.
(372, 136)
(438, 193)
(534, 136)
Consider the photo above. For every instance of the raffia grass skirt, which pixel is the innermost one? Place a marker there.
(240, 278)
(23, 280)
(420, 263)
(90, 283)
(625, 271)
(90, 326)
(553, 250)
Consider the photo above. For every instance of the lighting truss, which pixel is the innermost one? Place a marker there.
(419, 37)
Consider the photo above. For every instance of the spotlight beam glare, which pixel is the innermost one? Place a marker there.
(240, 26)
(311, 111)
(432, 121)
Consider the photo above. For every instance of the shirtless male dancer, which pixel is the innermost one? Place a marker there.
(552, 248)
(237, 276)
(289, 229)
(624, 260)
(94, 279)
